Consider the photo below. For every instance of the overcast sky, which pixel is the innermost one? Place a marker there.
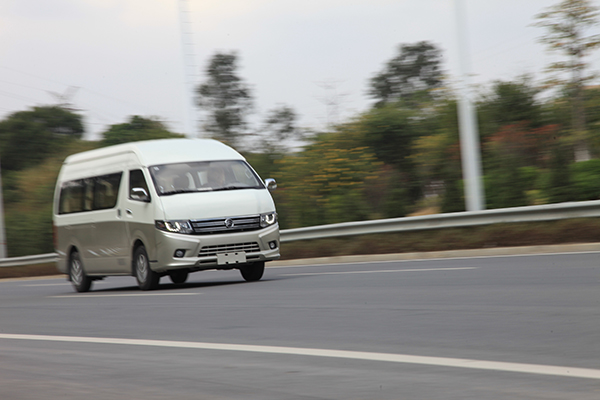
(125, 57)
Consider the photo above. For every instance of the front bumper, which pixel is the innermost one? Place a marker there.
(201, 252)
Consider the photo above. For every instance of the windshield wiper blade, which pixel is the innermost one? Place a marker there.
(234, 187)
(178, 191)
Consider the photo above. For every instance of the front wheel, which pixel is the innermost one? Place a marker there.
(253, 272)
(81, 282)
(146, 278)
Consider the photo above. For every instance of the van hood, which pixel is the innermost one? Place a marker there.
(227, 203)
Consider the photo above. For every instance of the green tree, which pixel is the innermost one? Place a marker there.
(584, 180)
(514, 157)
(225, 98)
(453, 199)
(566, 24)
(28, 137)
(415, 70)
(517, 141)
(389, 132)
(558, 185)
(592, 108)
(436, 155)
(279, 128)
(276, 134)
(509, 102)
(505, 185)
(326, 182)
(138, 128)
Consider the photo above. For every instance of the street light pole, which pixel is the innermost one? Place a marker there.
(469, 135)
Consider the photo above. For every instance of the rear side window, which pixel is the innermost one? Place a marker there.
(106, 189)
(95, 193)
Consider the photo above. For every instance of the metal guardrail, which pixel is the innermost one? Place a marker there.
(28, 260)
(547, 212)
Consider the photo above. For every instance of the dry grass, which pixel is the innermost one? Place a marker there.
(28, 271)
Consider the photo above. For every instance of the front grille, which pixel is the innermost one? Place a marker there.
(250, 247)
(225, 225)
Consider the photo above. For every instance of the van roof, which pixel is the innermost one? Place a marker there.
(163, 151)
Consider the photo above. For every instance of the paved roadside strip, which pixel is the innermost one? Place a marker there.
(431, 255)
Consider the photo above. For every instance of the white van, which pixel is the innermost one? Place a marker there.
(162, 207)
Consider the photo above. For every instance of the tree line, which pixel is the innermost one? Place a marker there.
(540, 142)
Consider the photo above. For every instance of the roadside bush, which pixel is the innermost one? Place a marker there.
(585, 180)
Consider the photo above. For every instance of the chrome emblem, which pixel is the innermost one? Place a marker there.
(228, 223)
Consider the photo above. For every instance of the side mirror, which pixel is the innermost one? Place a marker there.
(139, 194)
(270, 184)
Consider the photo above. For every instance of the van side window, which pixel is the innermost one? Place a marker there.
(136, 180)
(71, 197)
(88, 194)
(106, 190)
(97, 193)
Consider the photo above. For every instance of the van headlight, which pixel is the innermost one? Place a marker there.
(268, 219)
(174, 226)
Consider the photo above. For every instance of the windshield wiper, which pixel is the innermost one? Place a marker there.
(178, 191)
(235, 187)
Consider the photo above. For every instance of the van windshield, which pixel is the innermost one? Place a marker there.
(204, 176)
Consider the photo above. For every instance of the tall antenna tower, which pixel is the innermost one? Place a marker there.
(187, 50)
(64, 100)
(333, 101)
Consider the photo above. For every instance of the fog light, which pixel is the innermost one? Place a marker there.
(179, 253)
(273, 245)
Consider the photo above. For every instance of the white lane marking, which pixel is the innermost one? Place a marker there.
(96, 296)
(57, 284)
(538, 369)
(381, 270)
(46, 284)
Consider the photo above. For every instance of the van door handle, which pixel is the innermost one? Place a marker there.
(129, 212)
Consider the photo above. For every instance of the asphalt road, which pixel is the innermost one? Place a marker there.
(522, 327)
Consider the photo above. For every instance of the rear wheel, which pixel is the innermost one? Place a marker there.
(253, 272)
(179, 276)
(81, 282)
(146, 278)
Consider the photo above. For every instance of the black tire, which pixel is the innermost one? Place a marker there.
(253, 272)
(179, 276)
(146, 278)
(81, 282)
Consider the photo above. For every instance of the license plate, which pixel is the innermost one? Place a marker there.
(237, 257)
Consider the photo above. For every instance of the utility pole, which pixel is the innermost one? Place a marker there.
(469, 134)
